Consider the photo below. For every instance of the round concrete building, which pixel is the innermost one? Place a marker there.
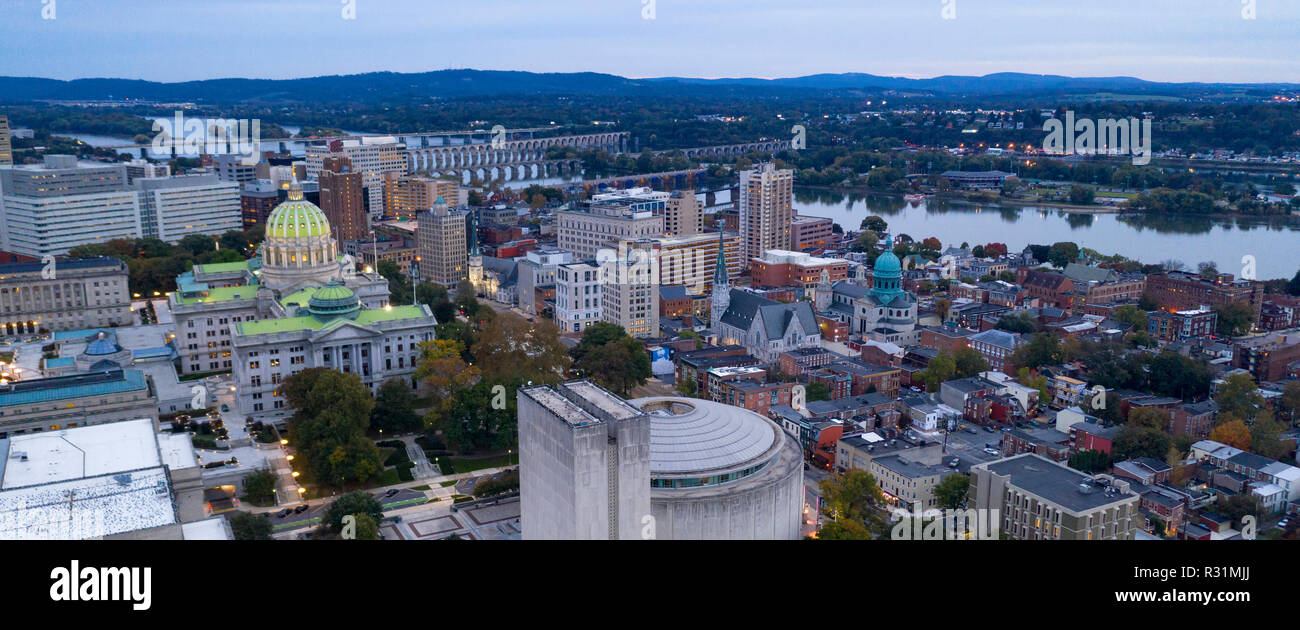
(719, 472)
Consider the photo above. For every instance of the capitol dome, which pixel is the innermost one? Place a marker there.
(887, 274)
(295, 218)
(299, 246)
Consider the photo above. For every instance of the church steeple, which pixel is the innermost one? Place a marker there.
(721, 285)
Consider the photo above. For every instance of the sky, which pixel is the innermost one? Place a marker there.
(1237, 41)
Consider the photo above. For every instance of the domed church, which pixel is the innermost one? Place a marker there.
(297, 304)
(886, 312)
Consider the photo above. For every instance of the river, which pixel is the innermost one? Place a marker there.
(1274, 244)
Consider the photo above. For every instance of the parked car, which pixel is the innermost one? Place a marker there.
(283, 513)
(972, 431)
(988, 429)
(391, 492)
(303, 507)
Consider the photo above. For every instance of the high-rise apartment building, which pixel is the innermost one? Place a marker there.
(577, 296)
(6, 145)
(682, 214)
(408, 195)
(372, 156)
(630, 291)
(143, 169)
(341, 198)
(690, 260)
(443, 256)
(766, 209)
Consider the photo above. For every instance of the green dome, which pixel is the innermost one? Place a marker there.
(888, 263)
(333, 300)
(297, 218)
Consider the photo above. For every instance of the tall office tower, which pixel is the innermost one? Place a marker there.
(53, 207)
(372, 156)
(6, 147)
(172, 208)
(682, 216)
(766, 208)
(408, 195)
(341, 198)
(585, 454)
(441, 236)
(630, 291)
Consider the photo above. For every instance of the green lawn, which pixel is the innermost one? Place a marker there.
(447, 483)
(420, 488)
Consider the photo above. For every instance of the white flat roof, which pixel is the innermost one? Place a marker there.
(207, 529)
(82, 452)
(93, 507)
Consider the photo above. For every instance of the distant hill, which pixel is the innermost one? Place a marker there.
(393, 86)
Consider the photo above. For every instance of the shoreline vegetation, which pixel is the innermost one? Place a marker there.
(1066, 206)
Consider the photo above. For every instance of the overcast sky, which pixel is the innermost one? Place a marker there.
(177, 40)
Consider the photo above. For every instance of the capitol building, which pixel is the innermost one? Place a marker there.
(298, 304)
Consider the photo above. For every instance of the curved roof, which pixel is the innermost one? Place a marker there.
(297, 218)
(334, 300)
(102, 345)
(704, 436)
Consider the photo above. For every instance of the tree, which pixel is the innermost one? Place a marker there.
(940, 369)
(328, 427)
(1041, 349)
(1266, 436)
(1021, 322)
(482, 417)
(351, 504)
(1235, 319)
(876, 224)
(394, 410)
(1139, 441)
(611, 357)
(1237, 506)
(249, 526)
(259, 487)
(1293, 285)
(941, 308)
(617, 366)
(853, 496)
(443, 371)
(1130, 314)
(466, 301)
(1208, 271)
(844, 529)
(1233, 432)
(1063, 253)
(198, 244)
(1090, 461)
(1288, 405)
(866, 241)
(1150, 417)
(511, 349)
(817, 391)
(950, 493)
(969, 362)
(1082, 195)
(366, 528)
(1239, 397)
